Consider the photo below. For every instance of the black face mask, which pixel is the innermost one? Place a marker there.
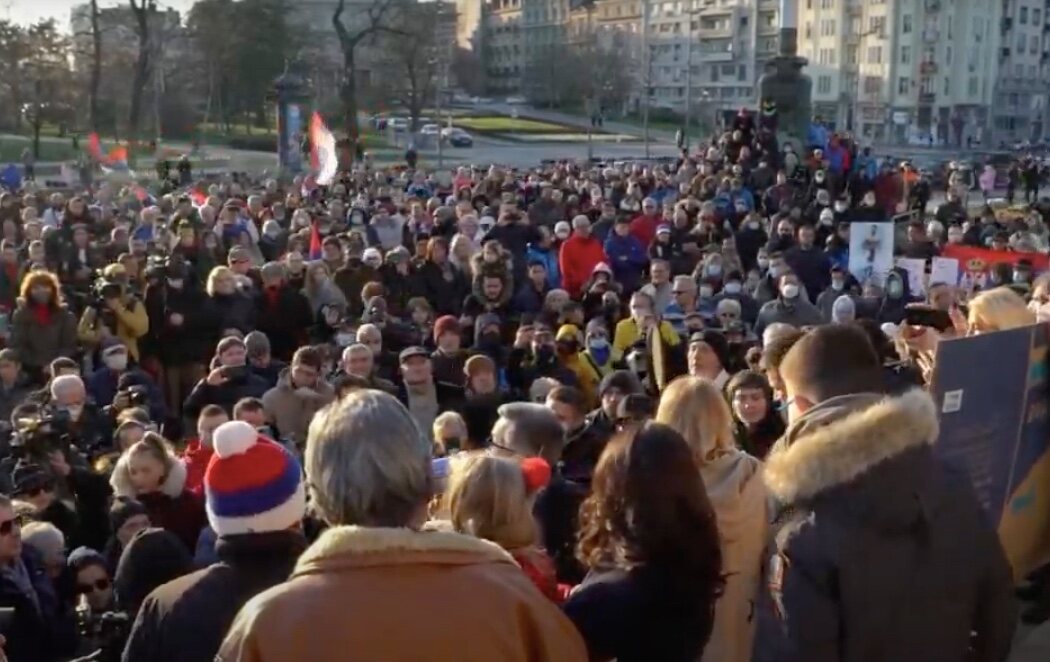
(544, 354)
(490, 338)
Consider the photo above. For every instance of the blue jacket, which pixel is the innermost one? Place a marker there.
(102, 387)
(549, 258)
(627, 258)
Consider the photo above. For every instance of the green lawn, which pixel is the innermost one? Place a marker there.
(502, 124)
(50, 150)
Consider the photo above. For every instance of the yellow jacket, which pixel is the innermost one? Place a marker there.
(132, 324)
(589, 373)
(627, 334)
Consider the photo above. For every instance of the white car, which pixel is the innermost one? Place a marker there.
(430, 130)
(398, 123)
(516, 100)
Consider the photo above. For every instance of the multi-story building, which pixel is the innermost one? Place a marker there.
(493, 31)
(903, 70)
(1021, 88)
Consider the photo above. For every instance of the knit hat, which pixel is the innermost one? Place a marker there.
(622, 380)
(445, 324)
(251, 485)
(716, 341)
(123, 509)
(256, 344)
(484, 320)
(28, 476)
(82, 557)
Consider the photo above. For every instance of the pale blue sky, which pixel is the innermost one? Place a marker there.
(28, 11)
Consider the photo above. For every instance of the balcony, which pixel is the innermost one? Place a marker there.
(927, 98)
(854, 7)
(933, 6)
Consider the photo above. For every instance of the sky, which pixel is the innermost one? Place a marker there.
(29, 11)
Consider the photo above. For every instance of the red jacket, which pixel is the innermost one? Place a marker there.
(576, 260)
(643, 228)
(196, 457)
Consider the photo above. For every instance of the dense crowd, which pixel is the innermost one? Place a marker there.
(630, 411)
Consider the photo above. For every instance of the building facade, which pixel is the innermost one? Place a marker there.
(1022, 87)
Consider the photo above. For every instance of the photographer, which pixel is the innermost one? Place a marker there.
(88, 427)
(229, 380)
(113, 312)
(117, 386)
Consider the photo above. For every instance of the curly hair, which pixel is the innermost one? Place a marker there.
(648, 507)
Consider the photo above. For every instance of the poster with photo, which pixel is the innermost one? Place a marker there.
(871, 252)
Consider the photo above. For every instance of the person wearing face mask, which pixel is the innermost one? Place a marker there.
(749, 239)
(850, 448)
(110, 384)
(359, 269)
(300, 393)
(42, 328)
(841, 283)
(598, 357)
(895, 299)
(790, 307)
(535, 357)
(807, 261)
(283, 313)
(733, 290)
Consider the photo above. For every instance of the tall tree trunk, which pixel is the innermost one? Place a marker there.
(138, 84)
(348, 94)
(96, 67)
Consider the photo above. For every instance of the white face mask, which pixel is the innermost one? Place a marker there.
(344, 339)
(753, 225)
(733, 288)
(840, 207)
(706, 291)
(763, 263)
(117, 362)
(789, 291)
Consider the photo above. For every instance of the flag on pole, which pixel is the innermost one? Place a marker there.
(315, 242)
(94, 147)
(199, 198)
(323, 156)
(118, 157)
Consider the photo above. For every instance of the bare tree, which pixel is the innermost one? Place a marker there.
(378, 19)
(413, 63)
(142, 10)
(96, 66)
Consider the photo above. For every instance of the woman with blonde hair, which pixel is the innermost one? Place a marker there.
(696, 409)
(232, 308)
(320, 291)
(149, 472)
(998, 309)
(491, 498)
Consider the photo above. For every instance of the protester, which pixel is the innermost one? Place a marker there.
(648, 535)
(368, 474)
(856, 464)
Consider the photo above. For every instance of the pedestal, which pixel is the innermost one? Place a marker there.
(790, 91)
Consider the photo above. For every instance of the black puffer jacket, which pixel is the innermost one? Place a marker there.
(880, 553)
(186, 619)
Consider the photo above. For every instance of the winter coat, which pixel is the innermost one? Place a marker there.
(194, 340)
(172, 507)
(38, 344)
(225, 395)
(196, 457)
(291, 410)
(351, 586)
(41, 629)
(529, 299)
(12, 397)
(351, 278)
(811, 266)
(132, 324)
(881, 552)
(734, 486)
(576, 260)
(549, 258)
(283, 316)
(627, 258)
(186, 619)
(445, 292)
(798, 314)
(102, 387)
(640, 615)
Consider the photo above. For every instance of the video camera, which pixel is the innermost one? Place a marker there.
(39, 433)
(109, 631)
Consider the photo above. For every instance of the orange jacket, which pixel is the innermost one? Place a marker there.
(577, 259)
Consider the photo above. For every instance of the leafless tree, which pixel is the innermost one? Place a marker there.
(142, 10)
(96, 66)
(379, 18)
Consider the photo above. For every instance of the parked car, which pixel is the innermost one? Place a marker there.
(398, 123)
(516, 100)
(430, 130)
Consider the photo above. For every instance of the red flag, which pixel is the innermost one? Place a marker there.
(315, 242)
(323, 158)
(117, 156)
(199, 198)
(141, 194)
(94, 147)
(980, 260)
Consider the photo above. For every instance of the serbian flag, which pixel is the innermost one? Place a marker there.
(315, 242)
(975, 261)
(118, 156)
(199, 198)
(323, 157)
(94, 147)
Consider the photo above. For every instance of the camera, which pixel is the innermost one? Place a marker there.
(105, 291)
(38, 434)
(108, 631)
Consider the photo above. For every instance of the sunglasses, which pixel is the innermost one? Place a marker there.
(100, 584)
(7, 527)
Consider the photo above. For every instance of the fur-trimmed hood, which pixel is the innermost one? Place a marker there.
(843, 438)
(345, 547)
(173, 485)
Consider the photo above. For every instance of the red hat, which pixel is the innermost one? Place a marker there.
(446, 324)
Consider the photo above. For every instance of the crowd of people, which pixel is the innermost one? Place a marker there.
(615, 411)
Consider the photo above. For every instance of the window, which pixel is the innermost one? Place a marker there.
(906, 24)
(1019, 70)
(874, 54)
(728, 69)
(1022, 17)
(1037, 16)
(872, 85)
(905, 54)
(972, 86)
(903, 85)
(809, 30)
(827, 27)
(823, 84)
(947, 86)
(851, 54)
(826, 56)
(948, 56)
(1021, 42)
(741, 73)
(877, 25)
(827, 4)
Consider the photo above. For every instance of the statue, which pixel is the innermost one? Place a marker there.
(784, 87)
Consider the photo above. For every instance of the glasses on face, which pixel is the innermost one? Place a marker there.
(8, 526)
(100, 584)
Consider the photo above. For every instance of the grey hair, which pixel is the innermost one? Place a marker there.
(356, 348)
(63, 383)
(776, 330)
(272, 271)
(45, 538)
(529, 429)
(368, 329)
(367, 463)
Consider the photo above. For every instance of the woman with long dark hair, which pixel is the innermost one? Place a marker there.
(649, 538)
(756, 422)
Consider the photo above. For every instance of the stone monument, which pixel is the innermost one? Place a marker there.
(783, 89)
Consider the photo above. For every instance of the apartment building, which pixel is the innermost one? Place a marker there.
(1022, 87)
(904, 70)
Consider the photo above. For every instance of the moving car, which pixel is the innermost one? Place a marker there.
(457, 137)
